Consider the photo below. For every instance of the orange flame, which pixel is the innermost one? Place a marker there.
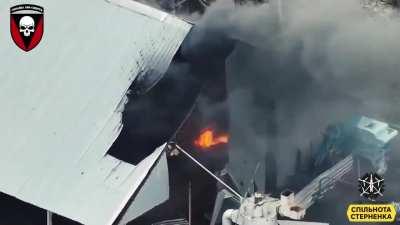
(207, 139)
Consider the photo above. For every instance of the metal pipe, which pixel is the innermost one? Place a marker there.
(49, 218)
(209, 172)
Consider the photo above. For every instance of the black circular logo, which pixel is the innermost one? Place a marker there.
(371, 186)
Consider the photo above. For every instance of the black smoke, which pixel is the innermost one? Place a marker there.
(296, 67)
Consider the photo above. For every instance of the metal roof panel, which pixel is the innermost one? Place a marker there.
(60, 105)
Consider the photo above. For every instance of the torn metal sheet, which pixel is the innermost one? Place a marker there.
(154, 191)
(61, 105)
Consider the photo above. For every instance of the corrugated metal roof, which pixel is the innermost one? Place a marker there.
(323, 183)
(60, 105)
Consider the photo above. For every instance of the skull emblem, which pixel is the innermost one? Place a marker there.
(26, 25)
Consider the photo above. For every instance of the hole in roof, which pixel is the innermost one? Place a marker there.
(156, 106)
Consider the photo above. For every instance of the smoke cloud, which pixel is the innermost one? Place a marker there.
(294, 69)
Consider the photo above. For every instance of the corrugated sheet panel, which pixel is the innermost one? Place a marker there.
(323, 183)
(61, 105)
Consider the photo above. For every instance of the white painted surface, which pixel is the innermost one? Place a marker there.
(60, 109)
(380, 130)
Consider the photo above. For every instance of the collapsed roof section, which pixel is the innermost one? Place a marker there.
(61, 107)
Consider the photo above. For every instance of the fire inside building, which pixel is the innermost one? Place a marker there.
(198, 117)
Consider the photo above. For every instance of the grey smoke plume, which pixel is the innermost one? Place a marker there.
(293, 72)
